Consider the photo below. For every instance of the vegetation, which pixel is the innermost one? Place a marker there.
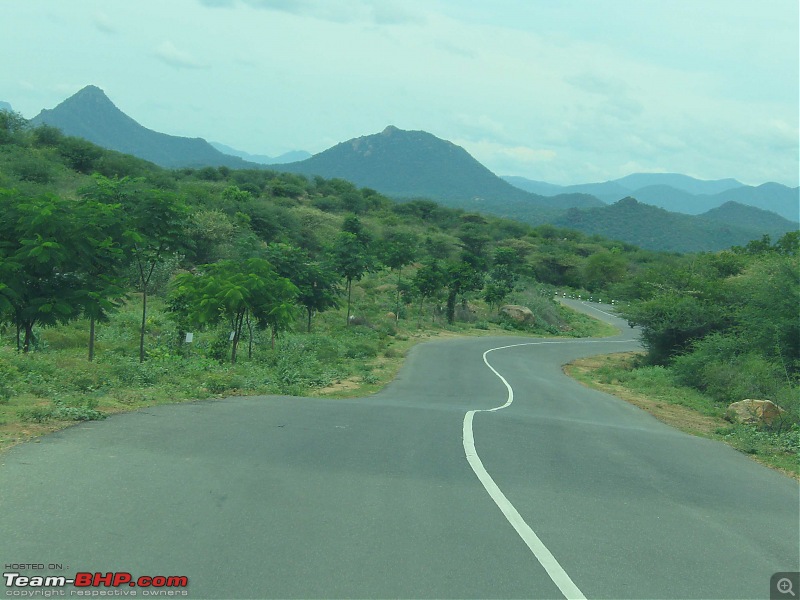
(109, 252)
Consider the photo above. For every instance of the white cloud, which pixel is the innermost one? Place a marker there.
(168, 53)
(104, 23)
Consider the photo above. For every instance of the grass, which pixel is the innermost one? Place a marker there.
(653, 389)
(55, 385)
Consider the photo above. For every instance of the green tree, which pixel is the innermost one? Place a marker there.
(12, 124)
(41, 246)
(396, 250)
(350, 256)
(155, 229)
(103, 281)
(502, 276)
(316, 283)
(427, 282)
(459, 278)
(236, 291)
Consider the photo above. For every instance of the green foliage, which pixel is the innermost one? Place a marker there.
(234, 291)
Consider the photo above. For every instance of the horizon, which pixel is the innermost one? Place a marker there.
(566, 94)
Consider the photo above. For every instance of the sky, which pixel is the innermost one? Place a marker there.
(563, 91)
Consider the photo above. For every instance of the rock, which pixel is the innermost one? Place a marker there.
(391, 316)
(755, 411)
(354, 320)
(520, 314)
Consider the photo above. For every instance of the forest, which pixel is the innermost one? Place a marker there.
(123, 283)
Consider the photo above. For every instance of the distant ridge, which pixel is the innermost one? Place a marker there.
(263, 159)
(678, 193)
(657, 229)
(89, 114)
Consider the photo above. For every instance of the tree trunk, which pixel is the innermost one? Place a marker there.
(91, 339)
(26, 345)
(397, 303)
(349, 292)
(144, 320)
(451, 306)
(309, 320)
(249, 338)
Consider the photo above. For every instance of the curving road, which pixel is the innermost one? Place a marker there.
(421, 491)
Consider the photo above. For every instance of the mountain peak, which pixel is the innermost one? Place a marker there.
(390, 130)
(90, 114)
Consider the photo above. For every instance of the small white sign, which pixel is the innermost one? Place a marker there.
(230, 339)
(189, 338)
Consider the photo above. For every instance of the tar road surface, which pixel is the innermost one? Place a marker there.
(410, 493)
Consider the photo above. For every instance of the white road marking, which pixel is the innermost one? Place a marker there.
(540, 551)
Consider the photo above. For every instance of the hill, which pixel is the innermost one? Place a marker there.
(658, 229)
(751, 218)
(89, 114)
(414, 164)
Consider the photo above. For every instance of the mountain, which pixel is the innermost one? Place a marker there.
(774, 197)
(654, 228)
(750, 217)
(637, 181)
(263, 159)
(414, 164)
(89, 114)
(5, 106)
(678, 193)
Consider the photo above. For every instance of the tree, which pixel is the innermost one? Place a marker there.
(459, 278)
(236, 291)
(398, 249)
(11, 125)
(502, 276)
(103, 282)
(155, 223)
(316, 283)
(40, 249)
(350, 258)
(427, 282)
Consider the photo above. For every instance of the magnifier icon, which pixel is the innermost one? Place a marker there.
(784, 586)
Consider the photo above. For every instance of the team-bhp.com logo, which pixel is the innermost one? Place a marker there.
(89, 584)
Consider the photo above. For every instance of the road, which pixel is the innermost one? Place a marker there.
(409, 493)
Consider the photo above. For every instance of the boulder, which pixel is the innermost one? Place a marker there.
(520, 314)
(758, 412)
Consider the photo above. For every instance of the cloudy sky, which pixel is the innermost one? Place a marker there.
(565, 91)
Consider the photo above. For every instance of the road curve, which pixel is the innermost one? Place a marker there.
(279, 497)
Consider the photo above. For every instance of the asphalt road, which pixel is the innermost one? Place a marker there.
(382, 497)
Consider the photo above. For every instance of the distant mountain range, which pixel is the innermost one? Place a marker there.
(263, 159)
(654, 228)
(678, 193)
(416, 164)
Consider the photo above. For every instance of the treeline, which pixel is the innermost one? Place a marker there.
(249, 248)
(726, 323)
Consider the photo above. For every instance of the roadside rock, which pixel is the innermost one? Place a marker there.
(520, 314)
(754, 412)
